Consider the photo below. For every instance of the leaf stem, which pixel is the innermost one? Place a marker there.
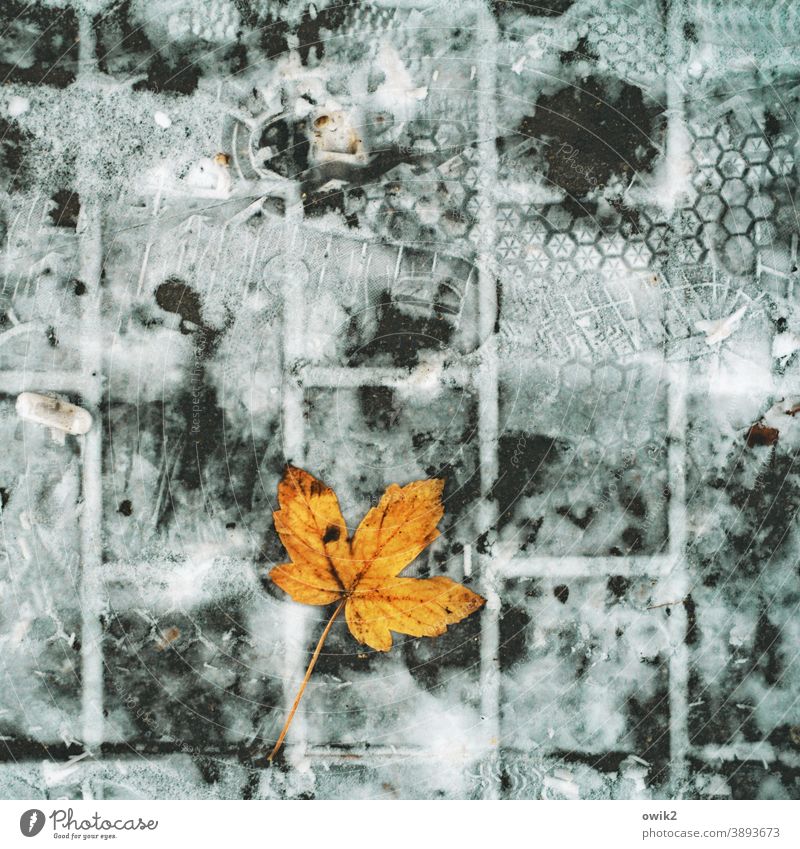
(311, 665)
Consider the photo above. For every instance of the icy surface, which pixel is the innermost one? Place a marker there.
(545, 251)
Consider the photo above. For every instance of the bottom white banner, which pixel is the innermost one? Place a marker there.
(387, 825)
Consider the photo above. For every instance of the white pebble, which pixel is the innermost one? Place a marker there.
(162, 119)
(52, 413)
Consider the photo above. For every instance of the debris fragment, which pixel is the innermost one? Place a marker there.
(761, 434)
(334, 139)
(784, 345)
(162, 119)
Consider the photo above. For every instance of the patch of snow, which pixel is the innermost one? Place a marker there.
(720, 329)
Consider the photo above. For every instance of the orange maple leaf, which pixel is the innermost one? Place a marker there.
(360, 573)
